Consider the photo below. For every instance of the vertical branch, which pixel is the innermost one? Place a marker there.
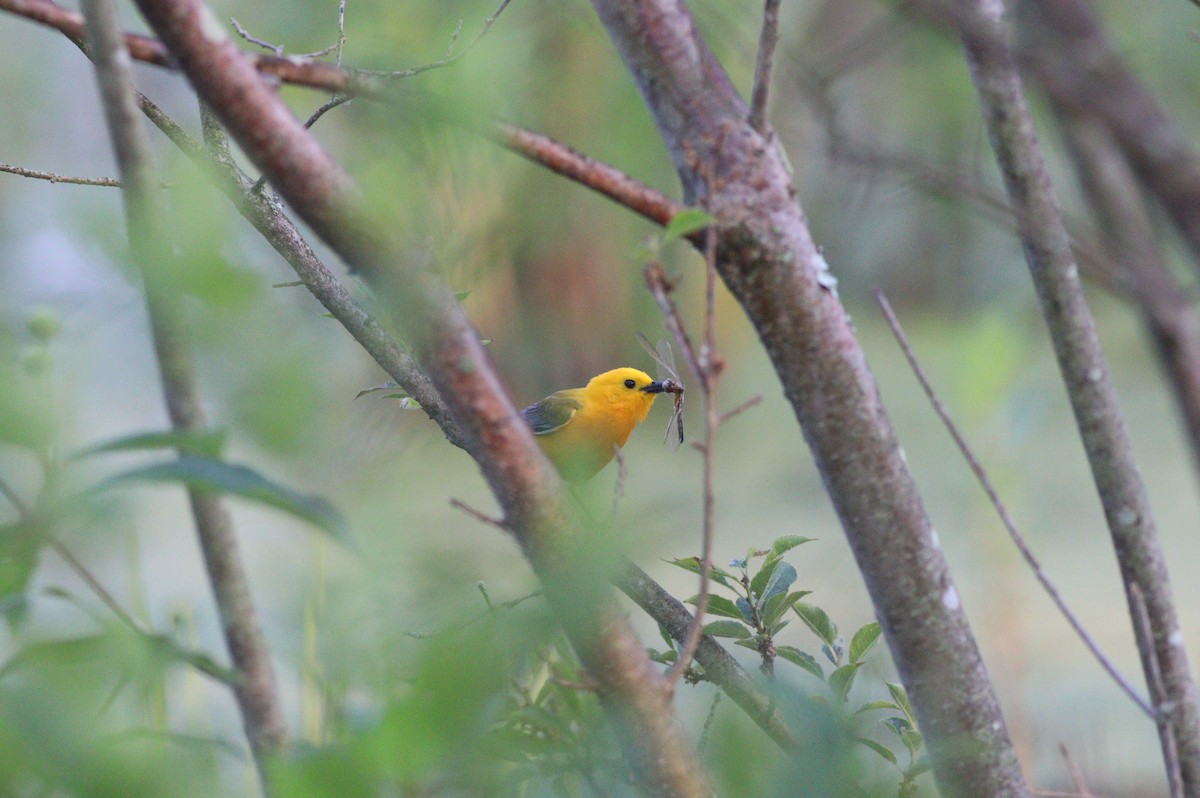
(256, 694)
(708, 367)
(768, 37)
(1167, 310)
(1085, 372)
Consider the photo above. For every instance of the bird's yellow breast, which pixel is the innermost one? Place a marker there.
(608, 412)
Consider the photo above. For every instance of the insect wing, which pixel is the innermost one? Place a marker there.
(676, 421)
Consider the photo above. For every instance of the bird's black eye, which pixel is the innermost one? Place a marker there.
(630, 384)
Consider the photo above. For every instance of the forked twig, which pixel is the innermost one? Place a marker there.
(994, 498)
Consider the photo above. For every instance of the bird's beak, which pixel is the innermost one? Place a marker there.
(654, 387)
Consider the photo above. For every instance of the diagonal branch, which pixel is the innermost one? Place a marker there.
(770, 263)
(449, 350)
(256, 693)
(764, 61)
(1085, 373)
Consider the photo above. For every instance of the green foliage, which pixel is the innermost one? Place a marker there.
(751, 619)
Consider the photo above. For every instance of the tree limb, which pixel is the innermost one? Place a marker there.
(1085, 373)
(449, 351)
(256, 692)
(770, 263)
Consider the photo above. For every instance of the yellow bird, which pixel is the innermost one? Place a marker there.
(580, 428)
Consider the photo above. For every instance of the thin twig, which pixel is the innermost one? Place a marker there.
(57, 178)
(753, 401)
(708, 721)
(708, 365)
(449, 59)
(101, 592)
(660, 288)
(499, 523)
(619, 485)
(1163, 706)
(277, 49)
(1083, 365)
(1073, 769)
(994, 498)
(767, 39)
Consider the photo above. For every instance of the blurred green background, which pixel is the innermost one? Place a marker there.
(554, 275)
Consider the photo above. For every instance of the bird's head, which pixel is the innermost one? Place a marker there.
(625, 390)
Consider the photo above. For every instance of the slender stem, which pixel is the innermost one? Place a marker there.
(256, 693)
(1141, 622)
(1085, 371)
(767, 39)
(707, 367)
(994, 498)
(57, 178)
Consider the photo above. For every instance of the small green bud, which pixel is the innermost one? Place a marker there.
(44, 323)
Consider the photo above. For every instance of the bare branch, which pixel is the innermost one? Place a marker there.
(1076, 774)
(1167, 311)
(1142, 624)
(450, 58)
(482, 518)
(1084, 369)
(994, 498)
(767, 39)
(56, 178)
(525, 484)
(771, 264)
(709, 367)
(256, 692)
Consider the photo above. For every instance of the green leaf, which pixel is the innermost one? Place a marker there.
(912, 740)
(901, 698)
(919, 767)
(716, 574)
(205, 442)
(897, 725)
(774, 630)
(196, 659)
(726, 629)
(387, 386)
(750, 644)
(842, 679)
(871, 706)
(882, 750)
(801, 658)
(685, 223)
(785, 544)
(758, 584)
(863, 640)
(718, 605)
(777, 605)
(459, 296)
(781, 579)
(215, 476)
(815, 618)
(745, 609)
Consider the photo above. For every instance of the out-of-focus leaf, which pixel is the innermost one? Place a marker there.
(900, 696)
(842, 679)
(718, 605)
(871, 706)
(685, 223)
(20, 545)
(801, 658)
(864, 639)
(216, 476)
(387, 386)
(878, 748)
(815, 618)
(751, 644)
(71, 651)
(715, 573)
(726, 629)
(205, 442)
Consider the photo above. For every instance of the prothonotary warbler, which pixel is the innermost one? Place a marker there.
(580, 428)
